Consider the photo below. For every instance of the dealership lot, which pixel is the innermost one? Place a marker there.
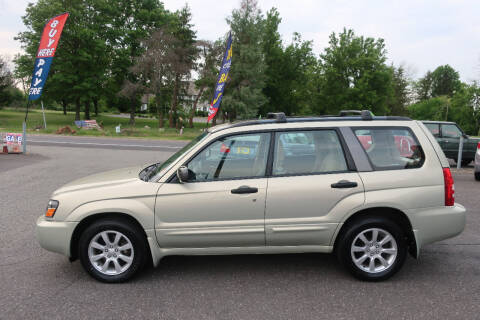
(443, 283)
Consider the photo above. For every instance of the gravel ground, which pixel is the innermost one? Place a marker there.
(443, 284)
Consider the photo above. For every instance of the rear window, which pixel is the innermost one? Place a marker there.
(434, 129)
(391, 148)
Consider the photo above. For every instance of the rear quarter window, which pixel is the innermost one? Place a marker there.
(391, 148)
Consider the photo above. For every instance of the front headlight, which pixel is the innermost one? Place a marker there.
(51, 208)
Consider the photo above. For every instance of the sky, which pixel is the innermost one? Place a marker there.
(418, 34)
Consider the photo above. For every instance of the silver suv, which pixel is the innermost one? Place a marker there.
(370, 189)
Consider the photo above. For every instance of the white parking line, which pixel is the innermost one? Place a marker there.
(103, 144)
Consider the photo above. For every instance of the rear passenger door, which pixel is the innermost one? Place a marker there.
(311, 180)
(450, 140)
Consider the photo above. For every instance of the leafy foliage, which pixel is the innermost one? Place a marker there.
(354, 74)
(244, 89)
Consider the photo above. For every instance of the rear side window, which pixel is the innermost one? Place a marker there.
(434, 129)
(450, 131)
(308, 152)
(391, 148)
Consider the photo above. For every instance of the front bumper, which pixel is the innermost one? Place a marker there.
(55, 235)
(435, 224)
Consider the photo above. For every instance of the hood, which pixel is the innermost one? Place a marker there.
(103, 179)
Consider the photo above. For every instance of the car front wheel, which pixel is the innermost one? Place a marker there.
(112, 251)
(372, 249)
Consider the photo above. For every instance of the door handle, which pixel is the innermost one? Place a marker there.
(244, 190)
(342, 184)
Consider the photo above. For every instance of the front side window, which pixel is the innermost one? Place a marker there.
(152, 173)
(240, 156)
(308, 152)
(450, 131)
(391, 148)
(434, 129)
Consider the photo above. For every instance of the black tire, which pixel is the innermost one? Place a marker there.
(477, 176)
(344, 245)
(132, 233)
(466, 162)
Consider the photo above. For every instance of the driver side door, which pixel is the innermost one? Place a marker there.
(223, 202)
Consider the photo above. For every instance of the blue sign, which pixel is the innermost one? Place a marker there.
(222, 79)
(40, 73)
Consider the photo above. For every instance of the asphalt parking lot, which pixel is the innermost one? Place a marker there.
(443, 284)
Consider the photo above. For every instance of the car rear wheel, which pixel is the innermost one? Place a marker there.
(112, 251)
(477, 176)
(372, 249)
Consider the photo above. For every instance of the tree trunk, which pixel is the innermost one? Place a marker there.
(231, 115)
(132, 112)
(159, 111)
(95, 105)
(224, 117)
(173, 108)
(194, 108)
(87, 110)
(77, 109)
(64, 105)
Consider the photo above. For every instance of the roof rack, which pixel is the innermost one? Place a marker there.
(365, 114)
(345, 115)
(277, 116)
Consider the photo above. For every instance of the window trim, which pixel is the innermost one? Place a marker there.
(351, 167)
(173, 178)
(374, 167)
(346, 153)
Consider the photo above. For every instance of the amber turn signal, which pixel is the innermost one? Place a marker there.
(51, 208)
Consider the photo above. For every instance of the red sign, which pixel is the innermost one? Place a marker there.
(51, 36)
(46, 51)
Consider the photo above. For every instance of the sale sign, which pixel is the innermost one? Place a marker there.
(46, 51)
(14, 142)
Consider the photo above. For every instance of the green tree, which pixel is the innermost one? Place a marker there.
(132, 22)
(354, 74)
(423, 87)
(273, 53)
(81, 56)
(400, 84)
(465, 108)
(432, 109)
(183, 59)
(244, 89)
(208, 69)
(445, 81)
(5, 83)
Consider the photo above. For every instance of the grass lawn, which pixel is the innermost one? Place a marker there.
(11, 121)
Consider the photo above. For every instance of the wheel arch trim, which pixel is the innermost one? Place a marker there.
(392, 213)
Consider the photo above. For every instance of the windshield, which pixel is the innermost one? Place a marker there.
(150, 173)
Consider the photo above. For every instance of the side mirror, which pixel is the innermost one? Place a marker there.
(182, 174)
(465, 136)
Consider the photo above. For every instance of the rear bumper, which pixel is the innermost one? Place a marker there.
(55, 236)
(435, 224)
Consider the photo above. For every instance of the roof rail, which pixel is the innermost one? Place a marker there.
(278, 116)
(365, 114)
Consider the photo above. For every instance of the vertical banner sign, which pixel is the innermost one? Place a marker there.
(222, 78)
(46, 51)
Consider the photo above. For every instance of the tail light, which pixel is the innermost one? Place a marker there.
(449, 188)
(478, 146)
